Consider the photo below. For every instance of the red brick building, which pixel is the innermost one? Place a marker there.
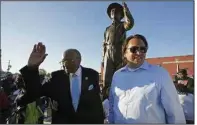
(174, 63)
(171, 64)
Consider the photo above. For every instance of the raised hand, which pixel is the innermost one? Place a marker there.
(37, 56)
(124, 4)
(125, 8)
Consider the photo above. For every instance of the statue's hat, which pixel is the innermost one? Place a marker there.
(117, 6)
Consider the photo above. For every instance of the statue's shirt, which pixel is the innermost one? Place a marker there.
(115, 34)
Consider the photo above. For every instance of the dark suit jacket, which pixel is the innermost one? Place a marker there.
(90, 109)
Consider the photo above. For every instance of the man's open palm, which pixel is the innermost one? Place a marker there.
(37, 56)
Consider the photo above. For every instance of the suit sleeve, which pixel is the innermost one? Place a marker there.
(33, 86)
(129, 21)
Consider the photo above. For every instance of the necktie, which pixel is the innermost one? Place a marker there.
(75, 91)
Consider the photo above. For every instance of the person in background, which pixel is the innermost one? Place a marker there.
(4, 106)
(32, 113)
(142, 93)
(101, 87)
(20, 85)
(18, 116)
(7, 84)
(185, 80)
(187, 102)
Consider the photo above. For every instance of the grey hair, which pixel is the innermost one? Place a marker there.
(75, 51)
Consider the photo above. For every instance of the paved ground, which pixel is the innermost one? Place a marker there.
(47, 115)
(47, 120)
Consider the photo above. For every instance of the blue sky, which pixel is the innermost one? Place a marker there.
(168, 27)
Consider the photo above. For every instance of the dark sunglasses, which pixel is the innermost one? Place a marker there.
(141, 49)
(66, 61)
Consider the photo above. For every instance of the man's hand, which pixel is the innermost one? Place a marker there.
(37, 56)
(125, 8)
(129, 21)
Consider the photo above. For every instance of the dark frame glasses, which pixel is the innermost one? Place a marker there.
(141, 49)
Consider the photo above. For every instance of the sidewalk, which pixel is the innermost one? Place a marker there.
(47, 120)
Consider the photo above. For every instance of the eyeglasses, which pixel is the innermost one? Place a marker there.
(141, 49)
(67, 61)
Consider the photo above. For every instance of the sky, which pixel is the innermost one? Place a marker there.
(168, 27)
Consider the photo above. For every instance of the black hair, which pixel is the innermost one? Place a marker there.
(183, 71)
(78, 54)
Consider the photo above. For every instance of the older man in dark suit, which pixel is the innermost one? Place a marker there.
(75, 91)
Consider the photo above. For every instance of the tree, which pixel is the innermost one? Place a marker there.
(42, 72)
(48, 75)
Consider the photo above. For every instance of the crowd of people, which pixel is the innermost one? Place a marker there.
(185, 89)
(12, 89)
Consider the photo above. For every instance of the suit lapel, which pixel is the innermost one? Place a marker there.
(84, 80)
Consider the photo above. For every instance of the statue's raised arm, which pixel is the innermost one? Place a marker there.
(129, 21)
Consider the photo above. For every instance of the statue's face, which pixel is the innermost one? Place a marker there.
(116, 14)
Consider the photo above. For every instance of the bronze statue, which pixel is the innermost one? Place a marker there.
(114, 37)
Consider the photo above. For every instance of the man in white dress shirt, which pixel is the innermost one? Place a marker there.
(187, 102)
(141, 92)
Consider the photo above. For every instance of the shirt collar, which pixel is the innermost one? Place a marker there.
(144, 66)
(78, 72)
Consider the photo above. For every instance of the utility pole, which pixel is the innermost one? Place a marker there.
(9, 66)
(177, 65)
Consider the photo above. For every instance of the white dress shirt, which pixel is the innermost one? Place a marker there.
(187, 102)
(78, 73)
(144, 95)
